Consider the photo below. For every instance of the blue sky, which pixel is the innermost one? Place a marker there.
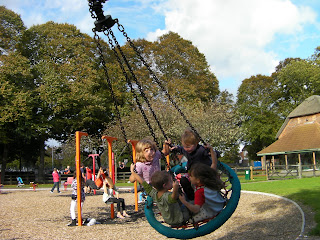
(238, 38)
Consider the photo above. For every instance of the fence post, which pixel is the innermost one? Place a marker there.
(300, 170)
(267, 172)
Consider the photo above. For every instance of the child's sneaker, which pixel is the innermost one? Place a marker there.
(73, 223)
(120, 216)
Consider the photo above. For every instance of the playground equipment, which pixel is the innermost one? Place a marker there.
(134, 143)
(20, 182)
(33, 185)
(104, 24)
(211, 225)
(94, 166)
(78, 162)
(111, 165)
(68, 182)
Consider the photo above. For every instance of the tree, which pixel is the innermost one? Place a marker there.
(11, 29)
(17, 101)
(71, 93)
(260, 120)
(178, 65)
(297, 81)
(15, 87)
(217, 124)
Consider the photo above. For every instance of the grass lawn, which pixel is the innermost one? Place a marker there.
(305, 191)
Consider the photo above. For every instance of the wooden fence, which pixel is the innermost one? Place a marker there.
(276, 172)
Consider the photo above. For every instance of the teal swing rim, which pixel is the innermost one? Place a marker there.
(207, 228)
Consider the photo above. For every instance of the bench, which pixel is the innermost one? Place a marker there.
(69, 181)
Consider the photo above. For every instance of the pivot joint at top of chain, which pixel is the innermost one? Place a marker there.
(103, 22)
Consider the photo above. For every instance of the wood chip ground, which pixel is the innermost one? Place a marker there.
(43, 215)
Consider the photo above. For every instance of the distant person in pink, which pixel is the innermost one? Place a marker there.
(56, 180)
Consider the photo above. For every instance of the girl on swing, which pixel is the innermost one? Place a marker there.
(108, 196)
(147, 159)
(208, 201)
(147, 162)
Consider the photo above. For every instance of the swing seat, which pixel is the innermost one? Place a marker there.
(69, 181)
(20, 182)
(180, 168)
(211, 225)
(193, 225)
(33, 185)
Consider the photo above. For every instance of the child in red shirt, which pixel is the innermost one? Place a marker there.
(208, 201)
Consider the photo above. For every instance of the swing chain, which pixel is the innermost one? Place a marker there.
(128, 80)
(121, 29)
(103, 64)
(104, 23)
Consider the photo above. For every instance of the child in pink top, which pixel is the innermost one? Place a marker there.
(147, 159)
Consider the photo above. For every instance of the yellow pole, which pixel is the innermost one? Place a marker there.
(133, 143)
(251, 173)
(168, 162)
(79, 180)
(111, 172)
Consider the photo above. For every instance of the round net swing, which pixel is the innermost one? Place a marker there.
(104, 24)
(211, 225)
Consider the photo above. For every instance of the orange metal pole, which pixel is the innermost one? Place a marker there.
(94, 168)
(78, 138)
(168, 162)
(134, 143)
(111, 169)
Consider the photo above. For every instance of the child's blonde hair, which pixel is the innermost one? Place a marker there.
(141, 146)
(189, 137)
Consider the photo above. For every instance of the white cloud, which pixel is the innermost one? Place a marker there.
(239, 38)
(234, 34)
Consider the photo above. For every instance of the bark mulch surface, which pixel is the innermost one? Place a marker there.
(43, 215)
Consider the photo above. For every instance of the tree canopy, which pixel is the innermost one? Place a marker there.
(53, 84)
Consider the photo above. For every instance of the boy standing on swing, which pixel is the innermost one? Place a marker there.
(195, 153)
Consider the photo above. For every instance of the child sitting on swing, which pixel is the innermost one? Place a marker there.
(147, 162)
(108, 197)
(73, 204)
(208, 201)
(194, 153)
(98, 183)
(147, 159)
(172, 212)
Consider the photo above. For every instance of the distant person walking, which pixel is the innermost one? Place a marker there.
(56, 180)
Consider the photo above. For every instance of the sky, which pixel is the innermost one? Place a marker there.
(239, 39)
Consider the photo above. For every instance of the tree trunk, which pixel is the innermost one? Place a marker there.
(4, 162)
(41, 165)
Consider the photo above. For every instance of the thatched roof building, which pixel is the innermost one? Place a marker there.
(300, 133)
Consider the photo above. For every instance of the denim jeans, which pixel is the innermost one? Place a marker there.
(55, 184)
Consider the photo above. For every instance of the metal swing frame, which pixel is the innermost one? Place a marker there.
(104, 24)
